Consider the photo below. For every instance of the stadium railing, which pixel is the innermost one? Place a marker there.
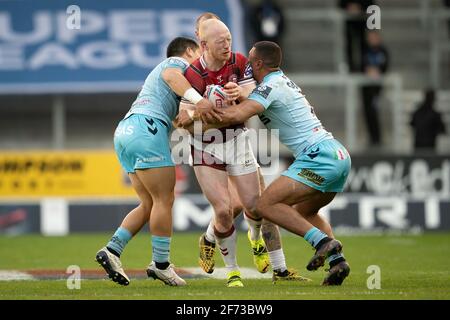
(430, 18)
(351, 85)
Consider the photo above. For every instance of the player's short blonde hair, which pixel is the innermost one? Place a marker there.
(203, 17)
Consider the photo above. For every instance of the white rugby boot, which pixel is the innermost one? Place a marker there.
(168, 276)
(112, 265)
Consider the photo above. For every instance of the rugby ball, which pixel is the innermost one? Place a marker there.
(216, 95)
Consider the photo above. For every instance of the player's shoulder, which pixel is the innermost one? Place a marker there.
(269, 86)
(195, 69)
(263, 90)
(277, 79)
(176, 61)
(238, 58)
(196, 75)
(197, 64)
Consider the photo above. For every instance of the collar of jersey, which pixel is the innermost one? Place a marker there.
(273, 73)
(180, 58)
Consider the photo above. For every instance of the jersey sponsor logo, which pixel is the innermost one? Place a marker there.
(233, 78)
(127, 130)
(314, 153)
(151, 159)
(248, 71)
(263, 91)
(248, 163)
(311, 176)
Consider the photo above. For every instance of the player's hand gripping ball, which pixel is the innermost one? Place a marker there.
(216, 95)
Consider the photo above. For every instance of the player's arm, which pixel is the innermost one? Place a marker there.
(232, 115)
(240, 113)
(178, 83)
(238, 92)
(185, 115)
(259, 100)
(203, 126)
(246, 90)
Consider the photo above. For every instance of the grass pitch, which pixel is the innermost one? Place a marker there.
(412, 267)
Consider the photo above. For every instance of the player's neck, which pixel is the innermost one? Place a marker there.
(213, 64)
(260, 77)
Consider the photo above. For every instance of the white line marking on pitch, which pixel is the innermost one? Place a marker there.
(10, 275)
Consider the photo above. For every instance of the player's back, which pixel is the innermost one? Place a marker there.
(287, 110)
(156, 99)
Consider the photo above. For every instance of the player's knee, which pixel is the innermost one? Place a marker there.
(147, 205)
(166, 199)
(261, 207)
(223, 215)
(170, 198)
(250, 206)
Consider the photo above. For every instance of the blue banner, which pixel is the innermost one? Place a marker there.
(59, 46)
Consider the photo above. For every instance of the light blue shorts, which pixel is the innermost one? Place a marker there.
(142, 142)
(324, 166)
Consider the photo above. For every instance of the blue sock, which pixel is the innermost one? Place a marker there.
(161, 249)
(314, 235)
(119, 240)
(334, 257)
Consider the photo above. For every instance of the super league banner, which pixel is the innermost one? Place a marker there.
(61, 46)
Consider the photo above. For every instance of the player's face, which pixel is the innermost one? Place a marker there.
(219, 46)
(192, 55)
(255, 63)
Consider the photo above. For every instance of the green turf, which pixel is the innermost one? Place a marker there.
(412, 267)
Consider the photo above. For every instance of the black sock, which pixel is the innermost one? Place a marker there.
(114, 252)
(281, 273)
(322, 242)
(162, 265)
(336, 261)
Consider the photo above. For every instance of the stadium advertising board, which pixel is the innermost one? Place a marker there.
(415, 176)
(403, 205)
(407, 193)
(65, 173)
(51, 46)
(19, 218)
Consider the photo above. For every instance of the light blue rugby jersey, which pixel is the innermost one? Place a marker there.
(156, 99)
(287, 110)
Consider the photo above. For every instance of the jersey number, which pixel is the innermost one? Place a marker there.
(292, 85)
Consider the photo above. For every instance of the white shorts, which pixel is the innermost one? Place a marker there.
(234, 156)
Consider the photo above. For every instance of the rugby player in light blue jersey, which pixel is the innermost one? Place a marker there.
(141, 142)
(321, 163)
